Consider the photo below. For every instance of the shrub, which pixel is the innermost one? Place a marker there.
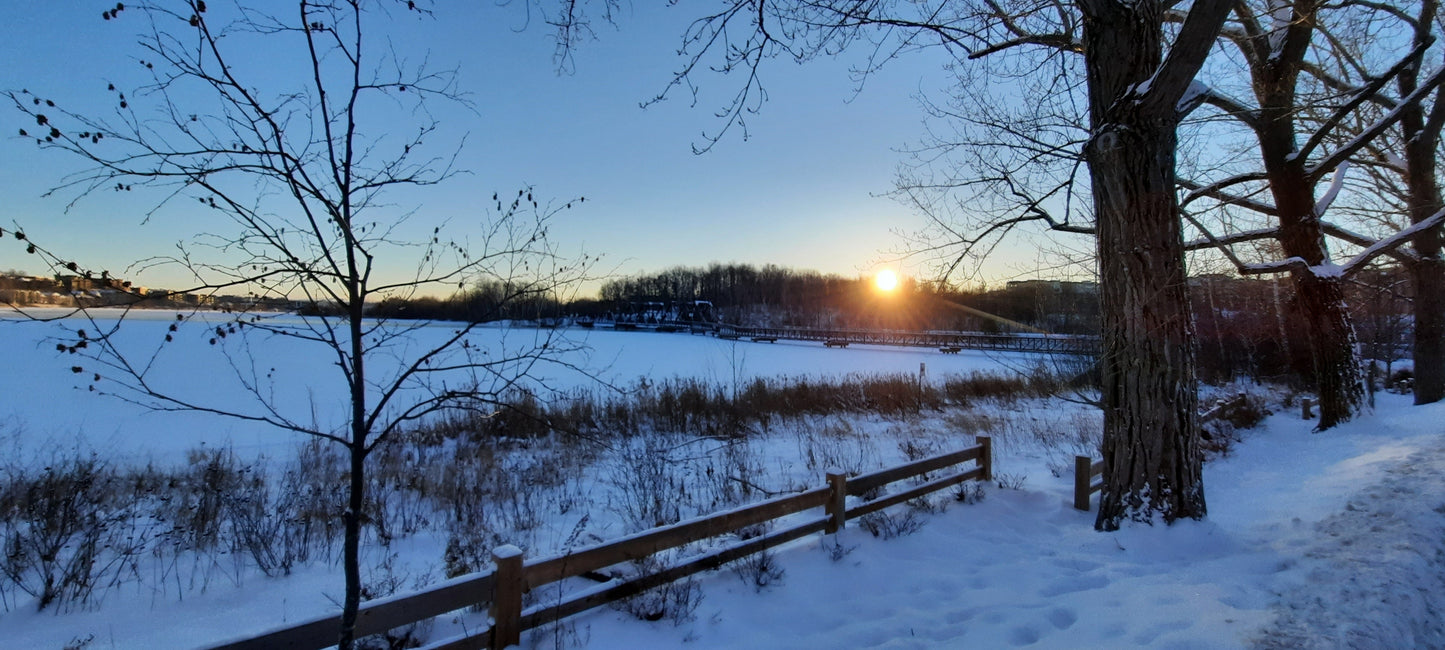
(759, 570)
(888, 525)
(67, 530)
(676, 601)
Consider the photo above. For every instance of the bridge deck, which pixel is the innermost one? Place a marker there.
(1038, 343)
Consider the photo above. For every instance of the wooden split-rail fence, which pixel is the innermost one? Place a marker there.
(514, 576)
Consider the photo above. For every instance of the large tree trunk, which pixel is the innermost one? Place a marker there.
(1428, 274)
(1332, 345)
(1429, 281)
(1152, 463)
(1329, 329)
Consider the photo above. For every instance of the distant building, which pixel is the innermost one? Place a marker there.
(1057, 286)
(74, 283)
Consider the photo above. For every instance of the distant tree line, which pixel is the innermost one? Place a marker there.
(484, 301)
(1246, 326)
(775, 296)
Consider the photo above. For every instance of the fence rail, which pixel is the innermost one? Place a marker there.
(505, 587)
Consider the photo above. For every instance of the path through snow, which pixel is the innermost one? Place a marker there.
(1373, 576)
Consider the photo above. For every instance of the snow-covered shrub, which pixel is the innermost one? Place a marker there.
(1220, 425)
(836, 445)
(1061, 439)
(835, 548)
(68, 531)
(918, 449)
(1402, 381)
(385, 579)
(759, 570)
(730, 476)
(888, 524)
(1007, 481)
(647, 485)
(968, 493)
(676, 601)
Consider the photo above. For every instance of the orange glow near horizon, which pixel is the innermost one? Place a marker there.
(886, 280)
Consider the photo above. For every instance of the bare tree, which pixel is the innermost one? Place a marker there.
(1403, 191)
(1421, 124)
(1003, 157)
(290, 173)
(1296, 97)
(1136, 96)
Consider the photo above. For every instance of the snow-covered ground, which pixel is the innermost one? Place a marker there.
(50, 402)
(1313, 540)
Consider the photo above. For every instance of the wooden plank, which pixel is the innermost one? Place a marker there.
(867, 482)
(1097, 468)
(1082, 478)
(837, 505)
(913, 493)
(603, 594)
(375, 616)
(646, 543)
(985, 456)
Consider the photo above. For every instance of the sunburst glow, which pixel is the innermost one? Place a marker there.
(886, 280)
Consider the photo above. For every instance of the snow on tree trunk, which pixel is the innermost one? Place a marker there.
(1333, 347)
(1152, 462)
(1329, 329)
(1330, 332)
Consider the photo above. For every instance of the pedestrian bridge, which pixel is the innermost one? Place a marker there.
(945, 341)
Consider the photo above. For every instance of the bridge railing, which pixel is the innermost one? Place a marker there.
(1043, 343)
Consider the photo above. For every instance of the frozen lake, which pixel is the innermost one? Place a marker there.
(46, 401)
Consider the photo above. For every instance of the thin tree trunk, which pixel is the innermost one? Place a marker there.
(351, 553)
(356, 485)
(1152, 463)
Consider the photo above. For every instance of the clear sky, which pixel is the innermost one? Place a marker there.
(800, 192)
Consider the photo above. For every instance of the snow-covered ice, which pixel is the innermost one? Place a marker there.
(1313, 540)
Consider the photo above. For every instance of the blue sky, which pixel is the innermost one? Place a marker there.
(799, 192)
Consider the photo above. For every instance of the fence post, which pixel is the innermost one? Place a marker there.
(1305, 408)
(1083, 478)
(507, 603)
(837, 505)
(985, 456)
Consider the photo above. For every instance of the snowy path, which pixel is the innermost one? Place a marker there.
(1315, 540)
(1374, 574)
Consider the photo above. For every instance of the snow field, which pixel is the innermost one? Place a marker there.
(1314, 540)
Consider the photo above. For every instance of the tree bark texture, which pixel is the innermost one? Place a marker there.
(1321, 299)
(1428, 277)
(1422, 137)
(1329, 330)
(1152, 462)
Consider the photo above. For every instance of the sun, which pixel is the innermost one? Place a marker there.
(886, 280)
